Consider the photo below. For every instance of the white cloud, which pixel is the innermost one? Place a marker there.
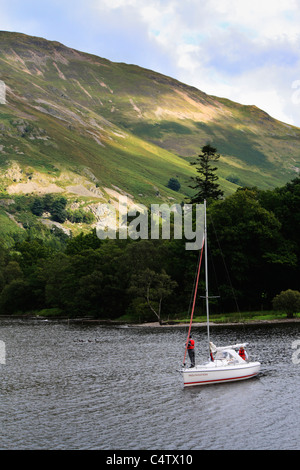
(246, 51)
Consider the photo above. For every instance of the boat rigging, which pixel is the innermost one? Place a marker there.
(224, 364)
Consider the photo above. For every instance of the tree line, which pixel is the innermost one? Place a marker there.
(254, 253)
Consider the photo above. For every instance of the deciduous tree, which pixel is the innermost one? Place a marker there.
(287, 301)
(153, 287)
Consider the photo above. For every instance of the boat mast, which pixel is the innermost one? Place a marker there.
(194, 300)
(206, 275)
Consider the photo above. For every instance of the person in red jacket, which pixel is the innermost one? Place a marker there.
(191, 351)
(243, 353)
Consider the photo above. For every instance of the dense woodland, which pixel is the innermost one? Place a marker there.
(254, 253)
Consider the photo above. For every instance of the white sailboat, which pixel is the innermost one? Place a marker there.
(224, 364)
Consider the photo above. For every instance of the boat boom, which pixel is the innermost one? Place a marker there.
(223, 348)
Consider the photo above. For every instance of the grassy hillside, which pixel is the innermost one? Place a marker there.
(81, 125)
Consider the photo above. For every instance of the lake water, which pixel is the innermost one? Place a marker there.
(73, 386)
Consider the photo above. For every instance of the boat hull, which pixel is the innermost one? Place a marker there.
(207, 375)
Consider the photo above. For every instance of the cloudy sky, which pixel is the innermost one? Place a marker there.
(244, 50)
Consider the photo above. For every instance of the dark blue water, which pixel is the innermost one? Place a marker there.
(93, 387)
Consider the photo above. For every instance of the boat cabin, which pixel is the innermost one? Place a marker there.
(228, 355)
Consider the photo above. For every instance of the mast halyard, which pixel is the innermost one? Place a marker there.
(203, 249)
(195, 295)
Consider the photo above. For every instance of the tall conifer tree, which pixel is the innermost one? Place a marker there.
(206, 182)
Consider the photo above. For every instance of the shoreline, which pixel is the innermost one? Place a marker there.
(154, 324)
(203, 324)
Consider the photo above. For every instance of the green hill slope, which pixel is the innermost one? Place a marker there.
(81, 125)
